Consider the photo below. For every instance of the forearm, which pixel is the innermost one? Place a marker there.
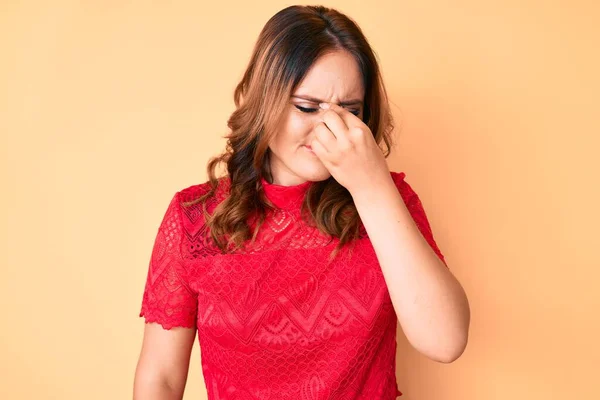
(431, 305)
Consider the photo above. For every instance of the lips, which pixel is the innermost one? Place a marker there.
(309, 149)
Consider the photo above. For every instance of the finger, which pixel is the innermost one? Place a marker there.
(334, 120)
(319, 150)
(326, 137)
(337, 126)
(349, 119)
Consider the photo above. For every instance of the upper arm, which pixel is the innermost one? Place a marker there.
(164, 358)
(169, 306)
(169, 299)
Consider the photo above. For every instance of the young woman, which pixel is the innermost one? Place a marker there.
(295, 267)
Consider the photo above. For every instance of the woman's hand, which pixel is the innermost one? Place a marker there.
(347, 148)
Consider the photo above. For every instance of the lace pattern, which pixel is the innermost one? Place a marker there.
(278, 321)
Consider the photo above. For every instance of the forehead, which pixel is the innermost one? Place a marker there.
(333, 77)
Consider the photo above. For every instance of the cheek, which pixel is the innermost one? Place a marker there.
(298, 126)
(294, 131)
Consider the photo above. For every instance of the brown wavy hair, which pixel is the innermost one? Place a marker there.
(290, 42)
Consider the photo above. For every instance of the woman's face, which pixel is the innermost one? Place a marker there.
(333, 78)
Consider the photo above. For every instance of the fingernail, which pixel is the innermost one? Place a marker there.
(324, 106)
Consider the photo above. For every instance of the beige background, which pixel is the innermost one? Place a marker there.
(109, 107)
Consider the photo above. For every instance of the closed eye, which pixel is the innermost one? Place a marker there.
(312, 110)
(306, 110)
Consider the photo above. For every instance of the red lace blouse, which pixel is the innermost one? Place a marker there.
(278, 321)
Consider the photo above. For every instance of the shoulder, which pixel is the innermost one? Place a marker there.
(191, 195)
(191, 201)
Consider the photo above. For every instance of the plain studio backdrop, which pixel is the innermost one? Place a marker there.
(107, 108)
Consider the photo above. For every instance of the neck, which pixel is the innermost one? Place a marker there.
(287, 179)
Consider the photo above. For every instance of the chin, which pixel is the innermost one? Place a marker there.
(314, 173)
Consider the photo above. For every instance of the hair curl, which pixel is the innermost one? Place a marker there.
(288, 45)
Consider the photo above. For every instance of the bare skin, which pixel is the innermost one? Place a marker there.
(162, 368)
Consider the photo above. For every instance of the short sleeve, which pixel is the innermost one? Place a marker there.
(415, 207)
(168, 299)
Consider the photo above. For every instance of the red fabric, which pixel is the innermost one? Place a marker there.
(277, 321)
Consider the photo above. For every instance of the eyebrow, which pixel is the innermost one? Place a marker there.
(342, 103)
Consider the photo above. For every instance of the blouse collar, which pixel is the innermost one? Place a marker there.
(285, 197)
